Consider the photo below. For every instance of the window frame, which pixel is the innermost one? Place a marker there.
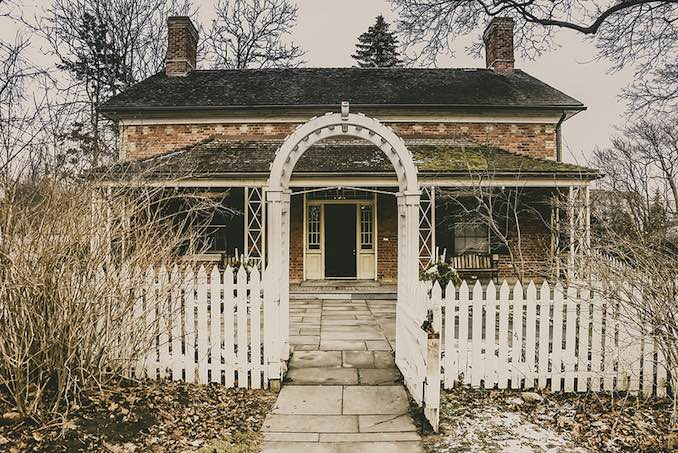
(313, 246)
(485, 236)
(366, 230)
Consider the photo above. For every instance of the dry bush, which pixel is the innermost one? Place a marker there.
(642, 277)
(71, 273)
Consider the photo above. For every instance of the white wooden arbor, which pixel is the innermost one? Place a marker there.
(411, 340)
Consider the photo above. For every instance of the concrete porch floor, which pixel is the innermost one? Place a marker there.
(343, 290)
(343, 391)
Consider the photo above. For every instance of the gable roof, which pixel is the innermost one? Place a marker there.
(217, 158)
(223, 89)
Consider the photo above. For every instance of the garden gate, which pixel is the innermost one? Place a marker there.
(411, 340)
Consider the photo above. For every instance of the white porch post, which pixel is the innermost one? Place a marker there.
(255, 221)
(579, 216)
(411, 250)
(572, 236)
(427, 230)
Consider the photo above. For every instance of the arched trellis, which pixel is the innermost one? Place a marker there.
(278, 201)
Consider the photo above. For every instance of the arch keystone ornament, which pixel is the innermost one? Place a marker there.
(411, 308)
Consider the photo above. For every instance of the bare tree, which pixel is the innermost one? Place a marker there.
(253, 34)
(638, 276)
(27, 115)
(103, 47)
(639, 33)
(640, 191)
(634, 259)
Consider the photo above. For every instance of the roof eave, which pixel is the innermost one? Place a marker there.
(111, 111)
(436, 174)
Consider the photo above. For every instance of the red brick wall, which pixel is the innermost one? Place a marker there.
(534, 241)
(387, 238)
(297, 239)
(534, 237)
(138, 142)
(538, 140)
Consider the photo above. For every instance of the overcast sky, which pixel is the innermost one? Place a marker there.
(328, 31)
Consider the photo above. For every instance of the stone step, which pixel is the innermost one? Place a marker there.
(343, 447)
(322, 376)
(287, 423)
(339, 437)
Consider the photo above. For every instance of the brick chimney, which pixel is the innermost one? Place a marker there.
(498, 39)
(182, 46)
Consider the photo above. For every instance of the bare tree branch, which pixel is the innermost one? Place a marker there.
(253, 34)
(638, 33)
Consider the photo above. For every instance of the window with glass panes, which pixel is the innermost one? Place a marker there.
(366, 227)
(471, 238)
(313, 227)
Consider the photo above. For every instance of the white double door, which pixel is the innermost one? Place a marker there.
(340, 239)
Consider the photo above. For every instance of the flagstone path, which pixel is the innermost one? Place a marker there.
(343, 392)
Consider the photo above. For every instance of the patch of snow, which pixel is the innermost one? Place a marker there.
(491, 429)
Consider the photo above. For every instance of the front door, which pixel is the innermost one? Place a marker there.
(340, 241)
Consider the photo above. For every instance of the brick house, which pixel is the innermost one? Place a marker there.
(473, 134)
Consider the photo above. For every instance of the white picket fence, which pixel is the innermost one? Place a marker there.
(204, 328)
(524, 338)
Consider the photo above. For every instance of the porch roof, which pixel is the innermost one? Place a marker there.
(228, 159)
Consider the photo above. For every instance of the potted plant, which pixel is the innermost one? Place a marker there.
(440, 271)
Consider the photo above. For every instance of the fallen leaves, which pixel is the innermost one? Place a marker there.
(11, 417)
(593, 421)
(149, 416)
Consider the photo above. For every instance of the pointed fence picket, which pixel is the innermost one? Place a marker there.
(208, 327)
(545, 336)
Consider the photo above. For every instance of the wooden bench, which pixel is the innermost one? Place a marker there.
(475, 264)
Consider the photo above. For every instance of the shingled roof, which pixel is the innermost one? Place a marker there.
(224, 159)
(222, 89)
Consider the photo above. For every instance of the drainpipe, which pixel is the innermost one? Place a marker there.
(559, 137)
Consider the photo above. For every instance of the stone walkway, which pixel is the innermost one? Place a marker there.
(343, 392)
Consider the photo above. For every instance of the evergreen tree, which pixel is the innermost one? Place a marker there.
(377, 47)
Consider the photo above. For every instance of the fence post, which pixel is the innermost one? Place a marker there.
(530, 334)
(229, 328)
(477, 365)
(517, 343)
(202, 333)
(451, 350)
(503, 370)
(241, 301)
(490, 335)
(215, 325)
(189, 301)
(271, 333)
(255, 328)
(544, 317)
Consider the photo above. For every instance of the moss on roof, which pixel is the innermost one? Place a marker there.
(216, 158)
